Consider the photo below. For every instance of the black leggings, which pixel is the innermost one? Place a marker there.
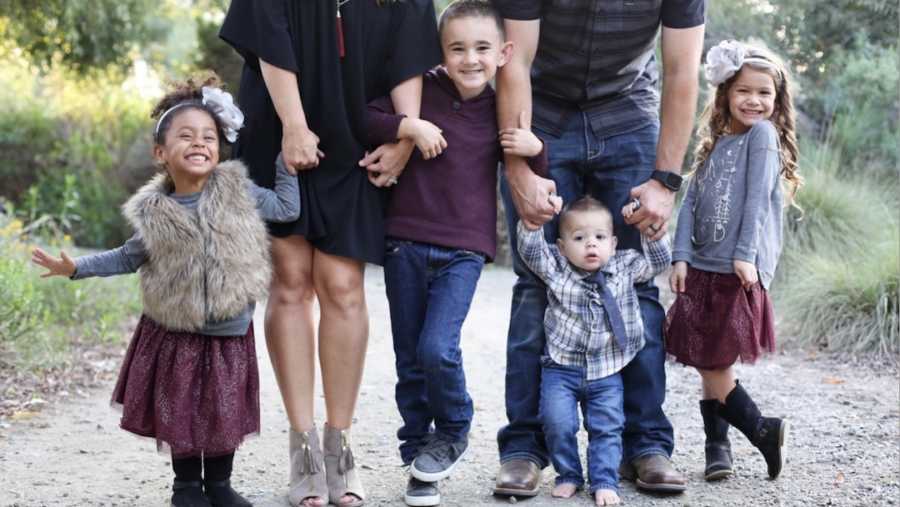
(216, 468)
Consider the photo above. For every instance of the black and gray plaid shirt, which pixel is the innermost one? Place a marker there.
(575, 321)
(598, 56)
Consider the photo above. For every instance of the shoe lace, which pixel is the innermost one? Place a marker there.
(437, 449)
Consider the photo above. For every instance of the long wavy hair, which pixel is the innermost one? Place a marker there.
(716, 118)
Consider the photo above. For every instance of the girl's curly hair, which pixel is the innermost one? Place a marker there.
(716, 119)
(188, 95)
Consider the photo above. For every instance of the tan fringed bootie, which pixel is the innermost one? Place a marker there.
(340, 469)
(307, 470)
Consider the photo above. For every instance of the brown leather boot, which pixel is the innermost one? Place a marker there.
(654, 473)
(518, 477)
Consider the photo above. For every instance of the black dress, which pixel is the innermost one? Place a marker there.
(342, 212)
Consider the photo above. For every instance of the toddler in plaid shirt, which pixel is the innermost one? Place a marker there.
(593, 327)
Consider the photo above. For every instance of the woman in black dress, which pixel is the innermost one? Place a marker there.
(339, 55)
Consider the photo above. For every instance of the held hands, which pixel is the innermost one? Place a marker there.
(56, 266)
(678, 276)
(520, 141)
(652, 216)
(301, 148)
(534, 197)
(387, 162)
(746, 271)
(425, 134)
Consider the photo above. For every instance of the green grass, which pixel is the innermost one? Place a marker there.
(40, 318)
(839, 278)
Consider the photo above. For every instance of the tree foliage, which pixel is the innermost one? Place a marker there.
(81, 34)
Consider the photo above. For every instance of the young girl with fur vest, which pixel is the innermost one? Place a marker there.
(189, 378)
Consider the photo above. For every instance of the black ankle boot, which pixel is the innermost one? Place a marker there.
(767, 434)
(188, 494)
(220, 493)
(718, 448)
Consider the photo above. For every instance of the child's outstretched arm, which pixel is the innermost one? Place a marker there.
(56, 266)
(656, 258)
(283, 203)
(536, 253)
(520, 141)
(125, 259)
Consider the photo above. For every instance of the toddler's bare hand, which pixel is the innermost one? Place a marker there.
(56, 266)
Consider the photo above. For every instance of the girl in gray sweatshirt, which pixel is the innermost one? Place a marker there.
(727, 245)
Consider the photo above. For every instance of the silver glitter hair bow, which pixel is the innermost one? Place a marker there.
(222, 104)
(726, 59)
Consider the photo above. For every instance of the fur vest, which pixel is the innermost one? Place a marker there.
(203, 267)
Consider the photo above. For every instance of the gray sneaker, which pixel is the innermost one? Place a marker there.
(437, 459)
(422, 494)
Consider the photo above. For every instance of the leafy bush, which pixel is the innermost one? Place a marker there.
(39, 318)
(62, 138)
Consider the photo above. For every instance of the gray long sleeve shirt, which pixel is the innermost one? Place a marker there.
(733, 209)
(282, 204)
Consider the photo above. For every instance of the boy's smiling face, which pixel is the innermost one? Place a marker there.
(473, 50)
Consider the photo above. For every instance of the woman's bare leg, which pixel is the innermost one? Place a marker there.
(290, 336)
(343, 333)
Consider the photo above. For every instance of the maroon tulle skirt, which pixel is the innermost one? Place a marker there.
(195, 394)
(716, 321)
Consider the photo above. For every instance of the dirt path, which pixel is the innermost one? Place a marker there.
(844, 448)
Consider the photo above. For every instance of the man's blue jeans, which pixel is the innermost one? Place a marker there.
(563, 388)
(606, 168)
(429, 289)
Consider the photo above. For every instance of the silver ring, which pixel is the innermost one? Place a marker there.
(392, 181)
(654, 228)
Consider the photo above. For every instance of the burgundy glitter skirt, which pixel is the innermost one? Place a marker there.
(715, 322)
(197, 395)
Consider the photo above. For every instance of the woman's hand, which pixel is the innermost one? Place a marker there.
(425, 134)
(300, 147)
(520, 141)
(56, 266)
(746, 271)
(678, 277)
(387, 162)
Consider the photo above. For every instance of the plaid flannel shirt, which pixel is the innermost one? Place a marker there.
(578, 333)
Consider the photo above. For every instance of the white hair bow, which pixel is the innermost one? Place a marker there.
(228, 113)
(723, 61)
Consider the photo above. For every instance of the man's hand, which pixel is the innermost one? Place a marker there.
(300, 148)
(657, 203)
(678, 276)
(534, 197)
(387, 162)
(746, 271)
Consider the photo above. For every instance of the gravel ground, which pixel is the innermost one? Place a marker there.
(843, 448)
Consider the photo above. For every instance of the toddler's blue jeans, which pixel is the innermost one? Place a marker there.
(429, 289)
(563, 389)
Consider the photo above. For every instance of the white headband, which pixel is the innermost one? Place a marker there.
(725, 59)
(221, 104)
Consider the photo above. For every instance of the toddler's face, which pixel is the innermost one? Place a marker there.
(586, 239)
(191, 148)
(473, 50)
(751, 98)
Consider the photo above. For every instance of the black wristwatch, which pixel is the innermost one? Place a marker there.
(669, 179)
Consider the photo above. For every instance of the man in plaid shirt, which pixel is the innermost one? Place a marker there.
(594, 328)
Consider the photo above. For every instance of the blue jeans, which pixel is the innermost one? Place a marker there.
(563, 388)
(429, 289)
(607, 168)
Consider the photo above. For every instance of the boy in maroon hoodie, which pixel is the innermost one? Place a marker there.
(441, 228)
